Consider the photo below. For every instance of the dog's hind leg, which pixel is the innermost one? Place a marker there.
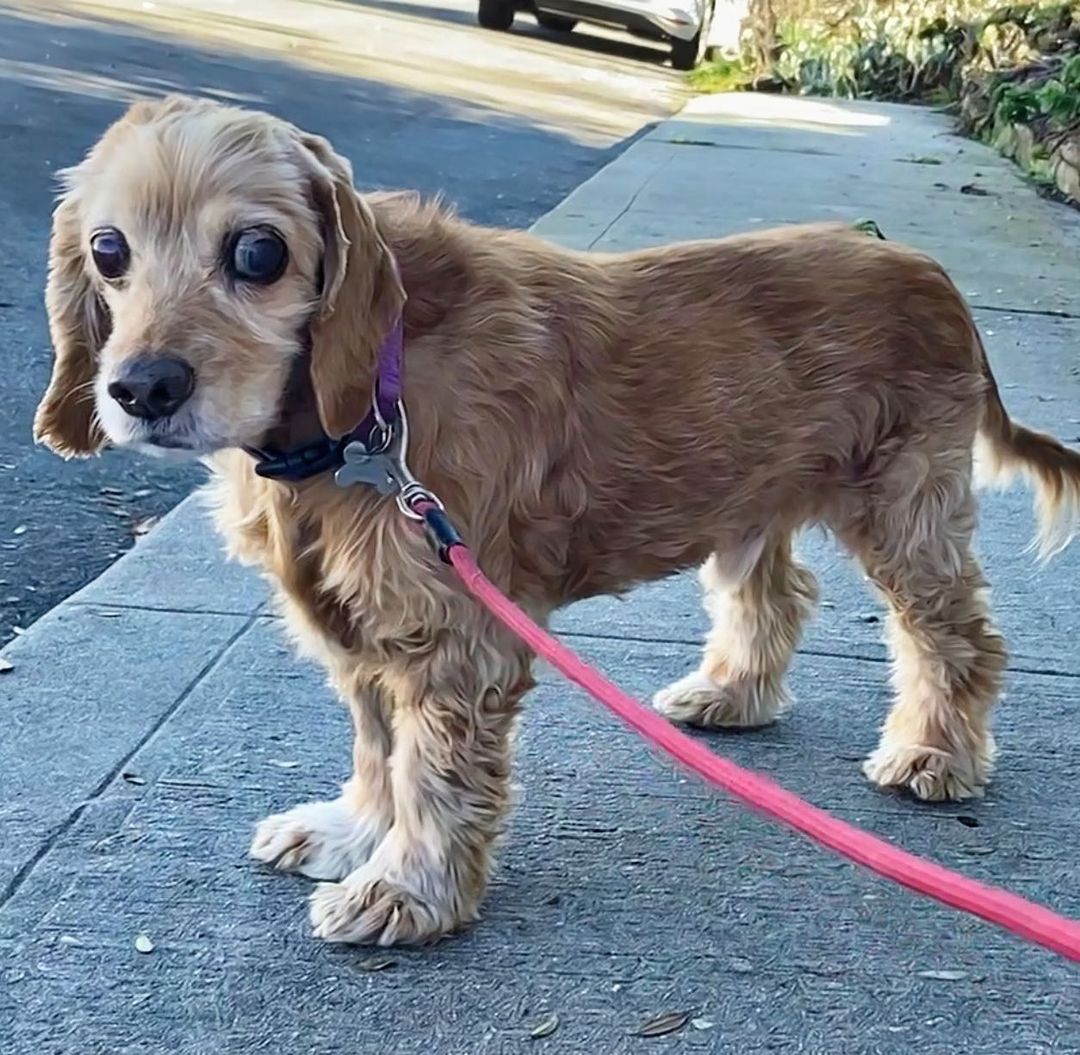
(913, 536)
(759, 600)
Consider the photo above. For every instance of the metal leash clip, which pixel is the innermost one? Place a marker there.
(382, 464)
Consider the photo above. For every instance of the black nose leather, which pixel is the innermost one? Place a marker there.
(153, 388)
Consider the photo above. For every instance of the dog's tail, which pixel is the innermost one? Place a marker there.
(1005, 448)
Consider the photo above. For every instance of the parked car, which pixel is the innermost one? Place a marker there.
(683, 24)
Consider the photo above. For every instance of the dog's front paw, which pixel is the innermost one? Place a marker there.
(749, 702)
(322, 840)
(369, 908)
(930, 773)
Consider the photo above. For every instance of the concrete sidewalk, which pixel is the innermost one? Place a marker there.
(153, 718)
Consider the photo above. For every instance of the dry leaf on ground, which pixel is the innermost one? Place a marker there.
(662, 1025)
(375, 963)
(144, 527)
(545, 1027)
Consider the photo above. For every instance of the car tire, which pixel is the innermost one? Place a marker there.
(495, 14)
(687, 54)
(556, 23)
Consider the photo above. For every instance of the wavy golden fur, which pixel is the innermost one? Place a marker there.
(591, 421)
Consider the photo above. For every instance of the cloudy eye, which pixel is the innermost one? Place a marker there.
(110, 251)
(258, 255)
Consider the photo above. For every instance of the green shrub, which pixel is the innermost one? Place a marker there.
(883, 49)
(900, 49)
(1053, 98)
(724, 74)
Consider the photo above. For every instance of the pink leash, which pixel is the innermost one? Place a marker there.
(1010, 911)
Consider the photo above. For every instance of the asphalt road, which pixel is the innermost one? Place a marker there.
(504, 125)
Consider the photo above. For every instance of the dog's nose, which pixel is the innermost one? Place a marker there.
(153, 388)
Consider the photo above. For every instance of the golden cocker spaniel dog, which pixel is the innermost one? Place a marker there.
(590, 421)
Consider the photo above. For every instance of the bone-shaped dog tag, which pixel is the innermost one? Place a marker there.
(362, 467)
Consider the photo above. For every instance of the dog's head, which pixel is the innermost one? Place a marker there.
(196, 252)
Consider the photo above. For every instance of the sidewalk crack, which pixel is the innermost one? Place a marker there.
(681, 141)
(121, 606)
(817, 653)
(1048, 313)
(633, 200)
(28, 867)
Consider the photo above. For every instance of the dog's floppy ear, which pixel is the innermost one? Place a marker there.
(66, 419)
(361, 295)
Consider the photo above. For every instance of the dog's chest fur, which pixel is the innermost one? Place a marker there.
(351, 574)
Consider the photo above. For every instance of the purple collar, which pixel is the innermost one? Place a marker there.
(368, 445)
